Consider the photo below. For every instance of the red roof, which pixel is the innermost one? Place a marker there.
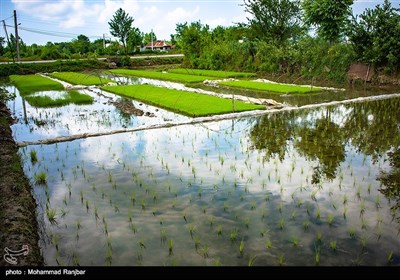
(157, 44)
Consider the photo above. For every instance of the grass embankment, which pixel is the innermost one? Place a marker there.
(165, 76)
(18, 220)
(80, 78)
(68, 97)
(183, 102)
(28, 84)
(271, 87)
(212, 73)
(49, 67)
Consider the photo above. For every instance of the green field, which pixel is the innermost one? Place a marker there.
(165, 76)
(212, 73)
(80, 78)
(183, 102)
(28, 84)
(270, 87)
(68, 97)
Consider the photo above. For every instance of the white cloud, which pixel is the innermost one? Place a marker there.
(179, 14)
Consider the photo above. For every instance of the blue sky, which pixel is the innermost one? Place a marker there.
(62, 20)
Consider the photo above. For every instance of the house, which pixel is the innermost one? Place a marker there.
(157, 46)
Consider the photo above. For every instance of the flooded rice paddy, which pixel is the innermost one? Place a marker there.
(297, 188)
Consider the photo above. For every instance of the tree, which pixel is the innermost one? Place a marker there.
(375, 36)
(329, 16)
(120, 26)
(149, 37)
(2, 42)
(81, 44)
(193, 40)
(135, 38)
(276, 21)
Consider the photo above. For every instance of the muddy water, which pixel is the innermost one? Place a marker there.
(291, 188)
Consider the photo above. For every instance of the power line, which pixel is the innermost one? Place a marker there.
(53, 33)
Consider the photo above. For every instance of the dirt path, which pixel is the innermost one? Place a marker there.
(18, 222)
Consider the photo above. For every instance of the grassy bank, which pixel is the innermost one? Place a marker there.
(28, 84)
(68, 97)
(270, 87)
(212, 73)
(18, 221)
(186, 103)
(80, 78)
(48, 67)
(165, 76)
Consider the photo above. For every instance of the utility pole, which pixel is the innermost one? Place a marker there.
(8, 39)
(16, 34)
(104, 41)
(151, 35)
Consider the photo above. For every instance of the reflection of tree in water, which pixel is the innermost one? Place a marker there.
(373, 128)
(391, 180)
(272, 132)
(323, 141)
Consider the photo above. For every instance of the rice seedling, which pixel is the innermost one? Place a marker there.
(252, 260)
(192, 229)
(293, 215)
(363, 242)
(211, 220)
(317, 255)
(81, 196)
(389, 257)
(281, 223)
(75, 259)
(281, 259)
(33, 155)
(280, 207)
(197, 242)
(171, 247)
(63, 213)
(40, 178)
(294, 241)
(233, 235)
(358, 192)
(362, 207)
(219, 230)
(109, 256)
(56, 241)
(143, 204)
(142, 244)
(246, 222)
(87, 205)
(344, 213)
(364, 224)
(241, 247)
(51, 215)
(333, 245)
(330, 219)
(268, 244)
(253, 205)
(378, 201)
(352, 233)
(226, 207)
(216, 262)
(205, 251)
(319, 237)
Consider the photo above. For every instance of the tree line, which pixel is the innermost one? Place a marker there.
(310, 38)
